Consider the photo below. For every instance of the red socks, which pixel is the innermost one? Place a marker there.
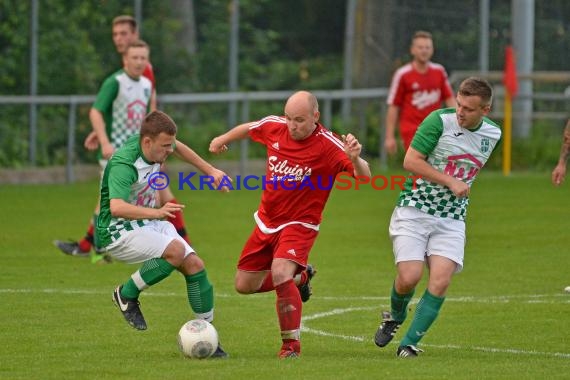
(86, 243)
(304, 277)
(289, 307)
(267, 284)
(178, 222)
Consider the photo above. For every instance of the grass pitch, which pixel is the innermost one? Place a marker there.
(506, 315)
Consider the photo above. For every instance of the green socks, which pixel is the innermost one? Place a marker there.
(151, 272)
(426, 313)
(200, 290)
(399, 304)
(201, 295)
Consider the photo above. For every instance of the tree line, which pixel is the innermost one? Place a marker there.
(283, 45)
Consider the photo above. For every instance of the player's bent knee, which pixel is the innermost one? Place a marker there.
(192, 264)
(406, 282)
(438, 288)
(244, 288)
(246, 285)
(174, 253)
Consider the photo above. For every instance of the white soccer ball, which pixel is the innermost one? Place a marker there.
(198, 339)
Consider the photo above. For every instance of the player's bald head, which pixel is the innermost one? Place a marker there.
(302, 100)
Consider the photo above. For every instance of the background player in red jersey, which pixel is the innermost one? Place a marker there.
(303, 158)
(417, 89)
(124, 32)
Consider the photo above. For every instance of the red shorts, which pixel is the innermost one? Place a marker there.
(292, 243)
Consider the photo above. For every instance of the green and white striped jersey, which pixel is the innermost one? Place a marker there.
(126, 177)
(452, 150)
(124, 102)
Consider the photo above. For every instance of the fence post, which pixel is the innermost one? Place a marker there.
(71, 121)
(327, 113)
(244, 144)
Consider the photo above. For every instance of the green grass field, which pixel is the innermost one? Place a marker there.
(506, 315)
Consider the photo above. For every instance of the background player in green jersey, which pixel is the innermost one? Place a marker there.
(428, 223)
(131, 229)
(121, 104)
(124, 33)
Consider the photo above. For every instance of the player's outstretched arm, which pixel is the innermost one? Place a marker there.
(353, 148)
(122, 209)
(390, 143)
(185, 153)
(98, 124)
(559, 173)
(220, 144)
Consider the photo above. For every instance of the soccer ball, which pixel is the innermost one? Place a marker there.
(198, 339)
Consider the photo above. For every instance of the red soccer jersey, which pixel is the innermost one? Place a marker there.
(418, 94)
(149, 73)
(304, 172)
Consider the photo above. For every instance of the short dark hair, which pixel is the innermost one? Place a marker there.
(126, 19)
(422, 34)
(138, 43)
(157, 122)
(474, 86)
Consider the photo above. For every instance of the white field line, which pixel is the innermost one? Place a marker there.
(518, 298)
(524, 298)
(332, 312)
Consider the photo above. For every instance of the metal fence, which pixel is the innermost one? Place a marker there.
(243, 101)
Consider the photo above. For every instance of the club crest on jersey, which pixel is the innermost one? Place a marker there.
(136, 112)
(485, 144)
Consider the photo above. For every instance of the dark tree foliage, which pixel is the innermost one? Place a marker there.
(283, 45)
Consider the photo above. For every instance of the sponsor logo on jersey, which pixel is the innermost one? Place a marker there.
(462, 166)
(425, 98)
(281, 169)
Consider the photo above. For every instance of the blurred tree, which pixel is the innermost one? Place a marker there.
(284, 45)
(374, 38)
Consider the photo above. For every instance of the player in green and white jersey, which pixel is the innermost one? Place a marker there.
(427, 226)
(131, 229)
(121, 104)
